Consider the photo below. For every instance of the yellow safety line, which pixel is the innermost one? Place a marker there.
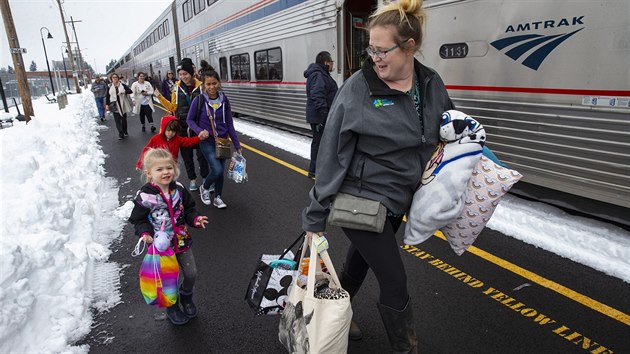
(275, 159)
(562, 290)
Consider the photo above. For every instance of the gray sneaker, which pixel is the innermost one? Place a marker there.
(218, 202)
(205, 195)
(193, 186)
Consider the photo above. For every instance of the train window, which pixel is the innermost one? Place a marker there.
(166, 29)
(268, 64)
(187, 10)
(210, 2)
(240, 67)
(198, 6)
(223, 71)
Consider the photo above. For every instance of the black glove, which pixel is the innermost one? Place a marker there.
(320, 127)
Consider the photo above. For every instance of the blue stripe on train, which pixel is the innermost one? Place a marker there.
(250, 17)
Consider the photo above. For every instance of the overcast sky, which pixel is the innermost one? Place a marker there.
(107, 30)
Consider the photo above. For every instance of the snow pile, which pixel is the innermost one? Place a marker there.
(57, 224)
(599, 245)
(293, 143)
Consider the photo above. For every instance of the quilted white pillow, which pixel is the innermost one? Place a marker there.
(489, 182)
(440, 199)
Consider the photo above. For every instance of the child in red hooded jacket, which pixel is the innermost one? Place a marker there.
(168, 139)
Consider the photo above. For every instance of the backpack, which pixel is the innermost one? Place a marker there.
(200, 101)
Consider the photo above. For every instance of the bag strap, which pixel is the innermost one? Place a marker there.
(312, 266)
(214, 128)
(139, 249)
(292, 245)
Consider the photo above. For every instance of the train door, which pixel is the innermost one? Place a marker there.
(356, 38)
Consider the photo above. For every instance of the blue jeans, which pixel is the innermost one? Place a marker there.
(217, 166)
(100, 104)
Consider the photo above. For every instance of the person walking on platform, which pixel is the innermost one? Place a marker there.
(164, 204)
(118, 102)
(321, 89)
(205, 67)
(214, 116)
(168, 84)
(184, 91)
(99, 88)
(381, 131)
(143, 99)
(168, 138)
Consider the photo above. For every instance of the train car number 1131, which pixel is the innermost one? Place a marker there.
(453, 50)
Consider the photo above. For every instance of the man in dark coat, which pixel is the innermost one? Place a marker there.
(320, 92)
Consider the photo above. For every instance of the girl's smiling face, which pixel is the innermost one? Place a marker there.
(211, 86)
(161, 173)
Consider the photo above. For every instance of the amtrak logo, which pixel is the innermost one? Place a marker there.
(519, 45)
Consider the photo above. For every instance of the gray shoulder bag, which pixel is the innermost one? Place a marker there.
(357, 213)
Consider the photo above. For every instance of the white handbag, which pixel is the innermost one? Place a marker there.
(310, 323)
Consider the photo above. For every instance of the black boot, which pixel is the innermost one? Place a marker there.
(400, 328)
(352, 286)
(175, 315)
(185, 298)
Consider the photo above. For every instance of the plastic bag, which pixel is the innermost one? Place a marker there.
(237, 171)
(268, 287)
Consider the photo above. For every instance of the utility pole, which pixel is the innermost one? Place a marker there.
(64, 66)
(78, 47)
(18, 62)
(65, 30)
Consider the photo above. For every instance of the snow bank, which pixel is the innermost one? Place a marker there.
(58, 221)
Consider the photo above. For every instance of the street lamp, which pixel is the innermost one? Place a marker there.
(64, 65)
(46, 55)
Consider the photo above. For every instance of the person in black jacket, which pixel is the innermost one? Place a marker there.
(184, 91)
(320, 92)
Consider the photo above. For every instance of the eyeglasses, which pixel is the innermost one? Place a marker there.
(382, 53)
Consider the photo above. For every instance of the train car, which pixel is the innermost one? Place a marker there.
(550, 82)
(260, 49)
(154, 52)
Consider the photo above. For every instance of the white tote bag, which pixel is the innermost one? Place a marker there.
(310, 323)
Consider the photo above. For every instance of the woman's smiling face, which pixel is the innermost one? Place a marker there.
(392, 65)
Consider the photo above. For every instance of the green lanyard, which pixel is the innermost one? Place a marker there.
(414, 94)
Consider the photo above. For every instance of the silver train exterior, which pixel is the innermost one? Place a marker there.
(550, 81)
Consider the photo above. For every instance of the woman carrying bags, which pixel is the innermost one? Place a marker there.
(143, 98)
(382, 128)
(213, 120)
(117, 102)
